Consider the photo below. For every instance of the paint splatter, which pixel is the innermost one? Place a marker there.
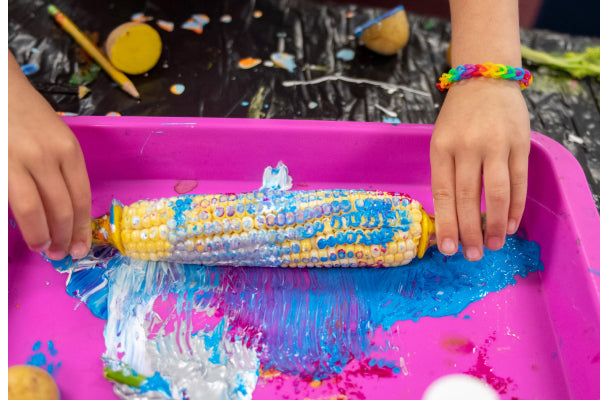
(113, 114)
(225, 18)
(66, 114)
(185, 186)
(345, 54)
(236, 321)
(284, 60)
(349, 14)
(41, 359)
(244, 103)
(257, 14)
(165, 25)
(141, 17)
(269, 63)
(177, 88)
(249, 62)
(483, 371)
(313, 104)
(196, 23)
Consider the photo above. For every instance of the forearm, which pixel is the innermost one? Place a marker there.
(485, 31)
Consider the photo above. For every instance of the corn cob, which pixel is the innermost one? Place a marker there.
(323, 228)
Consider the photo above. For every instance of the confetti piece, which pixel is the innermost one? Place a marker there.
(345, 54)
(284, 60)
(113, 114)
(350, 14)
(245, 103)
(141, 17)
(249, 62)
(226, 18)
(66, 114)
(177, 88)
(82, 91)
(268, 63)
(257, 14)
(312, 105)
(196, 23)
(165, 25)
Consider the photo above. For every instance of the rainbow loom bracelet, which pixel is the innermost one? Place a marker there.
(487, 70)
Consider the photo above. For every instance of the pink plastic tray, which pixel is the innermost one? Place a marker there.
(541, 336)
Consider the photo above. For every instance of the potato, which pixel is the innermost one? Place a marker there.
(26, 382)
(134, 47)
(388, 35)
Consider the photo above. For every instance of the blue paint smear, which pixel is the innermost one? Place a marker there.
(594, 271)
(36, 346)
(310, 321)
(155, 383)
(51, 348)
(391, 120)
(37, 360)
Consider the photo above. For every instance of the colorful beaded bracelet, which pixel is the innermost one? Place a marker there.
(487, 70)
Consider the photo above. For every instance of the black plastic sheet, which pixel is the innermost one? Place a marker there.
(313, 32)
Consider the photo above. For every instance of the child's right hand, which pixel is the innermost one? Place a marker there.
(48, 186)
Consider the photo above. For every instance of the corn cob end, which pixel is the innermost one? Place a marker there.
(427, 234)
(107, 228)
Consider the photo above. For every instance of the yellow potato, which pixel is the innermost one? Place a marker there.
(134, 47)
(387, 36)
(26, 382)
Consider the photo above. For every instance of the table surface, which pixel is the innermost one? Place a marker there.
(206, 64)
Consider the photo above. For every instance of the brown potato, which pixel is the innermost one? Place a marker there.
(387, 36)
(26, 382)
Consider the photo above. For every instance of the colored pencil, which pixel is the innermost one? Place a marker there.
(93, 51)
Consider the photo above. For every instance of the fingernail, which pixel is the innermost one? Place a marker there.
(511, 227)
(43, 247)
(472, 253)
(78, 250)
(447, 246)
(56, 254)
(494, 243)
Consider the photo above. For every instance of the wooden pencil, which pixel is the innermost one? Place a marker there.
(93, 51)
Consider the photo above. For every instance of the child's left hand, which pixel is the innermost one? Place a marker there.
(482, 130)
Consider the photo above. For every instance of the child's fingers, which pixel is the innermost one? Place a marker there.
(59, 211)
(77, 183)
(468, 206)
(444, 201)
(28, 210)
(518, 165)
(497, 200)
